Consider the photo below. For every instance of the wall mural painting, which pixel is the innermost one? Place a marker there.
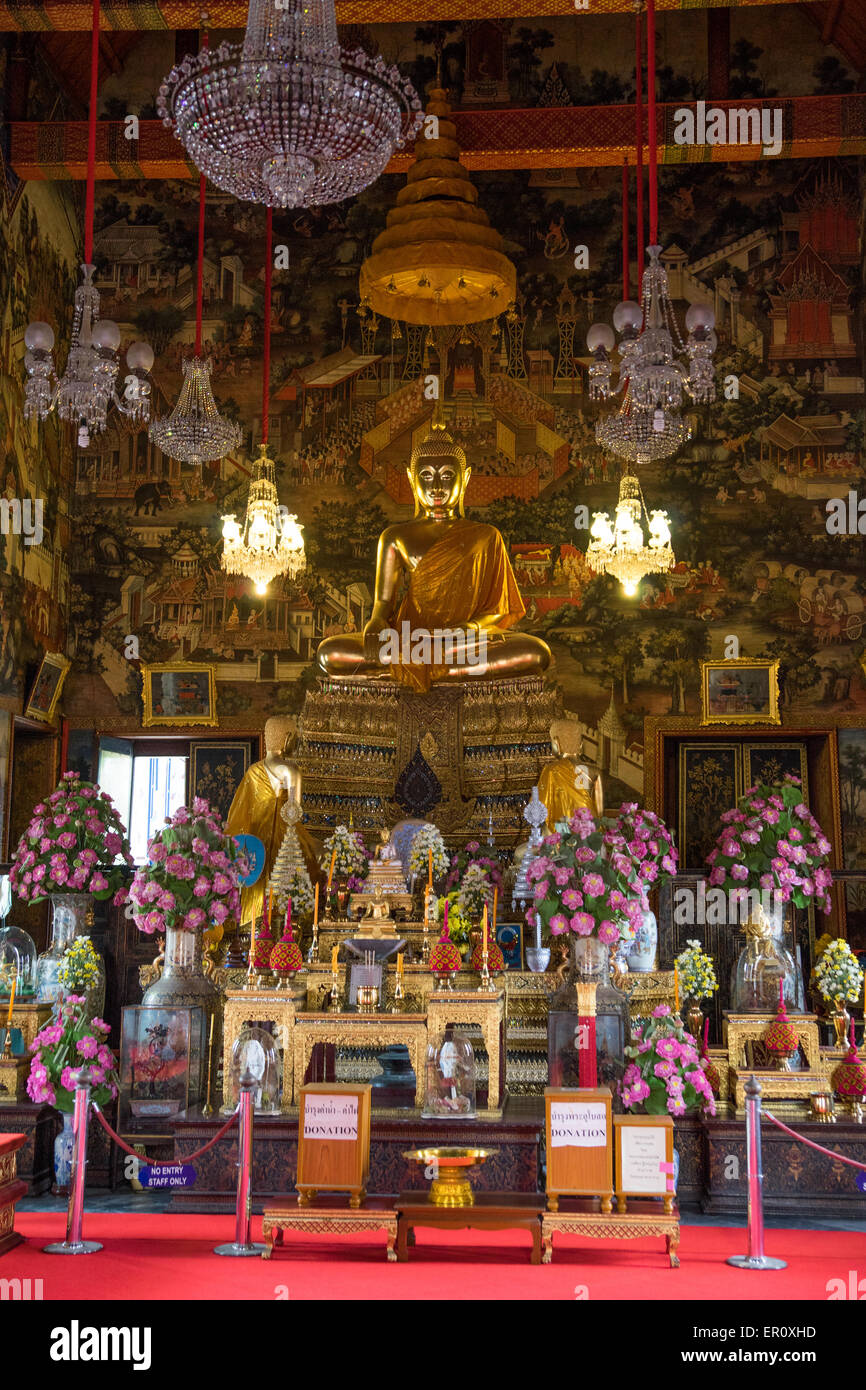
(852, 785)
(773, 244)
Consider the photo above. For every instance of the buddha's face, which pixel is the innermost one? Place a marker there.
(438, 485)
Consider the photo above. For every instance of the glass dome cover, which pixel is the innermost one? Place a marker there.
(449, 1090)
(255, 1051)
(17, 962)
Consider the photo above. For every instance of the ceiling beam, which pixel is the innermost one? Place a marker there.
(562, 137)
(64, 16)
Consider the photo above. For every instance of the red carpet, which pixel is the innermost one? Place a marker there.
(170, 1257)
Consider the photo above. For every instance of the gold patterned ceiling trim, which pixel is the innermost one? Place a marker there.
(66, 16)
(578, 136)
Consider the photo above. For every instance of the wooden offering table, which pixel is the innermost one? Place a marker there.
(493, 1211)
(580, 1216)
(329, 1216)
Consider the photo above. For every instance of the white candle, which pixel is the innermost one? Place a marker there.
(538, 931)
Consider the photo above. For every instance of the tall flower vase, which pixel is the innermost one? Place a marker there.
(71, 916)
(184, 985)
(643, 948)
(63, 1154)
(841, 1020)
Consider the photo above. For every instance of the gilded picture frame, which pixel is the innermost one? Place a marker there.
(47, 687)
(741, 691)
(187, 697)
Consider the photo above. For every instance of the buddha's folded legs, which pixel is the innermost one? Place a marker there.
(504, 655)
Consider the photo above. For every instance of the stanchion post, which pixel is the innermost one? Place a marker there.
(73, 1244)
(756, 1259)
(241, 1245)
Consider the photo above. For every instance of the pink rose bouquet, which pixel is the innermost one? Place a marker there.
(771, 842)
(192, 875)
(665, 1075)
(63, 1045)
(75, 843)
(594, 877)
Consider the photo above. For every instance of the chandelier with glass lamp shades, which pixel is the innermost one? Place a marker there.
(657, 369)
(637, 544)
(88, 387)
(288, 118)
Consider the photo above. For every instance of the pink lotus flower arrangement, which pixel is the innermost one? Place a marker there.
(665, 1076)
(191, 879)
(72, 845)
(593, 878)
(770, 841)
(68, 1042)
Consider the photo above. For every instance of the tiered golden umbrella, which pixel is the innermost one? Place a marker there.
(438, 261)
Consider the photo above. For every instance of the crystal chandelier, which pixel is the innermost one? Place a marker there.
(288, 118)
(622, 550)
(88, 387)
(270, 541)
(655, 382)
(195, 432)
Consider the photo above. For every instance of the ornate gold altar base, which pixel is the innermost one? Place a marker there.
(471, 740)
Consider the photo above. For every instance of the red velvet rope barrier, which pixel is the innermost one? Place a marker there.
(187, 1158)
(852, 1162)
(91, 138)
(651, 120)
(266, 364)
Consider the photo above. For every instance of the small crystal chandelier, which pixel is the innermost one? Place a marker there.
(622, 550)
(87, 388)
(649, 427)
(270, 541)
(195, 432)
(288, 118)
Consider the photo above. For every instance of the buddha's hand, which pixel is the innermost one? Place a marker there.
(374, 631)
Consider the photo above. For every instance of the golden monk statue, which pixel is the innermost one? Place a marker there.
(445, 591)
(564, 786)
(257, 804)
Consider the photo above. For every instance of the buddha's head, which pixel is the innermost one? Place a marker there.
(281, 734)
(438, 474)
(566, 738)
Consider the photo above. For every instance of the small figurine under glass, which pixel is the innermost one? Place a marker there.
(450, 1078)
(17, 952)
(255, 1051)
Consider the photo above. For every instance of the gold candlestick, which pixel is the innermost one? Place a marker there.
(313, 948)
(399, 996)
(487, 985)
(336, 995)
(207, 1108)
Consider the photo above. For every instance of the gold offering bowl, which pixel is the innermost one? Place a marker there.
(451, 1168)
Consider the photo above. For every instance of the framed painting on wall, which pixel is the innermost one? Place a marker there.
(769, 762)
(47, 687)
(179, 693)
(852, 797)
(709, 784)
(216, 770)
(745, 691)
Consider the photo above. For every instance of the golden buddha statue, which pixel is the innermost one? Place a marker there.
(565, 786)
(258, 801)
(445, 591)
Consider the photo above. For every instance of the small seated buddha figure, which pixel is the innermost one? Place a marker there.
(439, 576)
(258, 801)
(565, 786)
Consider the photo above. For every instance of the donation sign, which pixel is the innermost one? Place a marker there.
(575, 1124)
(330, 1117)
(642, 1159)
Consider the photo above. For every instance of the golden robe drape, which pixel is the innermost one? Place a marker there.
(466, 575)
(556, 791)
(255, 810)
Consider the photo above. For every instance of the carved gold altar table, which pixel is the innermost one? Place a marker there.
(261, 1006)
(359, 1030)
(487, 1011)
(579, 1216)
(741, 1030)
(29, 1018)
(329, 1217)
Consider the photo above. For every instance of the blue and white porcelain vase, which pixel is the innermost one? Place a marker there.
(643, 948)
(63, 1153)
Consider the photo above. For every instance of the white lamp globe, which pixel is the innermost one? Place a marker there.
(700, 316)
(106, 335)
(627, 315)
(600, 335)
(140, 356)
(39, 337)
